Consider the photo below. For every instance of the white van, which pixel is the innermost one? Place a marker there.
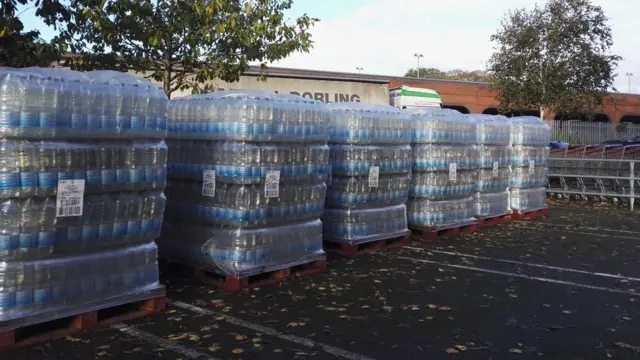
(406, 97)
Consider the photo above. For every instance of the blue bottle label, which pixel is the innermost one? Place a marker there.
(137, 122)
(42, 296)
(89, 233)
(133, 227)
(28, 179)
(47, 179)
(9, 118)
(28, 240)
(9, 180)
(120, 229)
(24, 297)
(107, 176)
(146, 225)
(78, 121)
(93, 177)
(122, 176)
(45, 239)
(105, 230)
(8, 242)
(29, 119)
(7, 299)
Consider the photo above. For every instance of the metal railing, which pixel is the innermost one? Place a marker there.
(578, 132)
(596, 172)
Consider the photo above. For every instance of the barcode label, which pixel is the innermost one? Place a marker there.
(453, 171)
(272, 184)
(69, 198)
(374, 176)
(496, 166)
(532, 164)
(209, 183)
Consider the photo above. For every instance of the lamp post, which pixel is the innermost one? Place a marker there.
(418, 68)
(629, 75)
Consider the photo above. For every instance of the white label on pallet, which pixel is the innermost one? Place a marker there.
(272, 184)
(374, 176)
(496, 167)
(69, 198)
(532, 166)
(209, 183)
(453, 171)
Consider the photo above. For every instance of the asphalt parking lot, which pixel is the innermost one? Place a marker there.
(565, 287)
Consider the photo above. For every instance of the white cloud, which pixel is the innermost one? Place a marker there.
(382, 36)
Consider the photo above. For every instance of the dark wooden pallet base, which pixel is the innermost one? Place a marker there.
(530, 214)
(65, 326)
(435, 234)
(231, 283)
(496, 220)
(367, 247)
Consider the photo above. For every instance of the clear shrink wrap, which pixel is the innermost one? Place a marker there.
(355, 192)
(492, 204)
(242, 251)
(354, 226)
(359, 123)
(53, 103)
(441, 185)
(429, 157)
(525, 200)
(245, 205)
(49, 288)
(247, 163)
(442, 126)
(248, 115)
(353, 160)
(441, 214)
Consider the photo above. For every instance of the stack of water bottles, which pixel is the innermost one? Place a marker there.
(77, 216)
(445, 169)
(494, 165)
(370, 164)
(247, 172)
(530, 147)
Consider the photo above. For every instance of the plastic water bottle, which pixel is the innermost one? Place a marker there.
(11, 84)
(9, 169)
(29, 226)
(10, 218)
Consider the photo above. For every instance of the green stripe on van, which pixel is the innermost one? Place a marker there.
(419, 94)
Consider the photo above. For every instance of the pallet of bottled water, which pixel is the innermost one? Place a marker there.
(530, 166)
(247, 172)
(82, 169)
(370, 161)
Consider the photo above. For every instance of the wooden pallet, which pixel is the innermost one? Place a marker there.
(433, 234)
(367, 247)
(232, 283)
(530, 214)
(64, 326)
(496, 220)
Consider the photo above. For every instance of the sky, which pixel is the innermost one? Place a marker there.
(382, 36)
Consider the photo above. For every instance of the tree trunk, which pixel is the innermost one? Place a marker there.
(541, 113)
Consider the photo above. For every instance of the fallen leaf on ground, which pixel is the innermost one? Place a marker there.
(452, 351)
(515, 351)
(566, 312)
(237, 351)
(214, 347)
(220, 318)
(444, 308)
(461, 347)
(277, 350)
(292, 324)
(103, 347)
(240, 337)
(102, 353)
(138, 349)
(171, 311)
(387, 308)
(635, 349)
(626, 318)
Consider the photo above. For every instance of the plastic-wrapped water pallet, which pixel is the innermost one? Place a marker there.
(370, 161)
(82, 169)
(247, 172)
(445, 172)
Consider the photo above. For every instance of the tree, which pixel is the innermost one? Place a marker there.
(456, 74)
(19, 48)
(555, 57)
(184, 44)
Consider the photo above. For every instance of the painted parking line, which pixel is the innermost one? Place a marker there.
(163, 343)
(573, 227)
(577, 232)
(522, 276)
(272, 332)
(523, 263)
